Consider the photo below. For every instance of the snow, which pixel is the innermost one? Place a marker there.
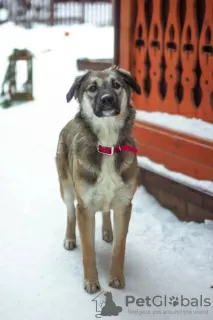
(191, 126)
(3, 15)
(39, 279)
(202, 185)
(81, 43)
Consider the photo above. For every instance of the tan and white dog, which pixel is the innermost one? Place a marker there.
(97, 165)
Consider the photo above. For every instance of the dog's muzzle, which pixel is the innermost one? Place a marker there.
(107, 104)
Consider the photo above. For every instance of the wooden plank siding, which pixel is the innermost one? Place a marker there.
(177, 152)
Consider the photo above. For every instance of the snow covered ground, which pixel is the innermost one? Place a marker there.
(202, 185)
(38, 278)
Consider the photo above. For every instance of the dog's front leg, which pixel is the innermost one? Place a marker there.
(86, 224)
(121, 223)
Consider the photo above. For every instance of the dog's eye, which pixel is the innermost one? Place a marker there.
(92, 88)
(116, 85)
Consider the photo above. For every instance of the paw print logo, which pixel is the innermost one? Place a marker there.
(173, 301)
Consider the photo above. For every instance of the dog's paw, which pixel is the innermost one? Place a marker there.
(91, 286)
(69, 244)
(117, 282)
(107, 235)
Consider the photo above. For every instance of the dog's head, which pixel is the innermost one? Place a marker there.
(104, 93)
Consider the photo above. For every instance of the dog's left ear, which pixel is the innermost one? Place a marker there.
(75, 88)
(128, 78)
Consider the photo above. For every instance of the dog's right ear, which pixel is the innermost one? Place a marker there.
(75, 88)
(128, 78)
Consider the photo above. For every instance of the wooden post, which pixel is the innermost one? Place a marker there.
(51, 12)
(116, 23)
(83, 11)
(126, 7)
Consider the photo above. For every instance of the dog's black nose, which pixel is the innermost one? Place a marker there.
(107, 98)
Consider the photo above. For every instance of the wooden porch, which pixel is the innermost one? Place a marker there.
(168, 46)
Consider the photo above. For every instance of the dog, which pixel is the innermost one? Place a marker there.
(96, 162)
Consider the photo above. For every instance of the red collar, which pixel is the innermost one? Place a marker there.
(110, 150)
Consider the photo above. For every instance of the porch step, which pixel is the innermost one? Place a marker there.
(186, 203)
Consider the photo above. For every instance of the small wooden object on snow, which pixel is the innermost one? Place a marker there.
(26, 94)
(11, 91)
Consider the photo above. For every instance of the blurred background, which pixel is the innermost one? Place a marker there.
(61, 36)
(53, 12)
(45, 44)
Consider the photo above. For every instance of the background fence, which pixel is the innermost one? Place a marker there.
(57, 11)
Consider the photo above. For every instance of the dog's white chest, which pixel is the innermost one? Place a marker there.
(109, 182)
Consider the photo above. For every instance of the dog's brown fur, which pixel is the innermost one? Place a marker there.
(98, 182)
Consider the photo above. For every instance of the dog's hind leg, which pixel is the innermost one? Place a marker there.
(107, 233)
(68, 197)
